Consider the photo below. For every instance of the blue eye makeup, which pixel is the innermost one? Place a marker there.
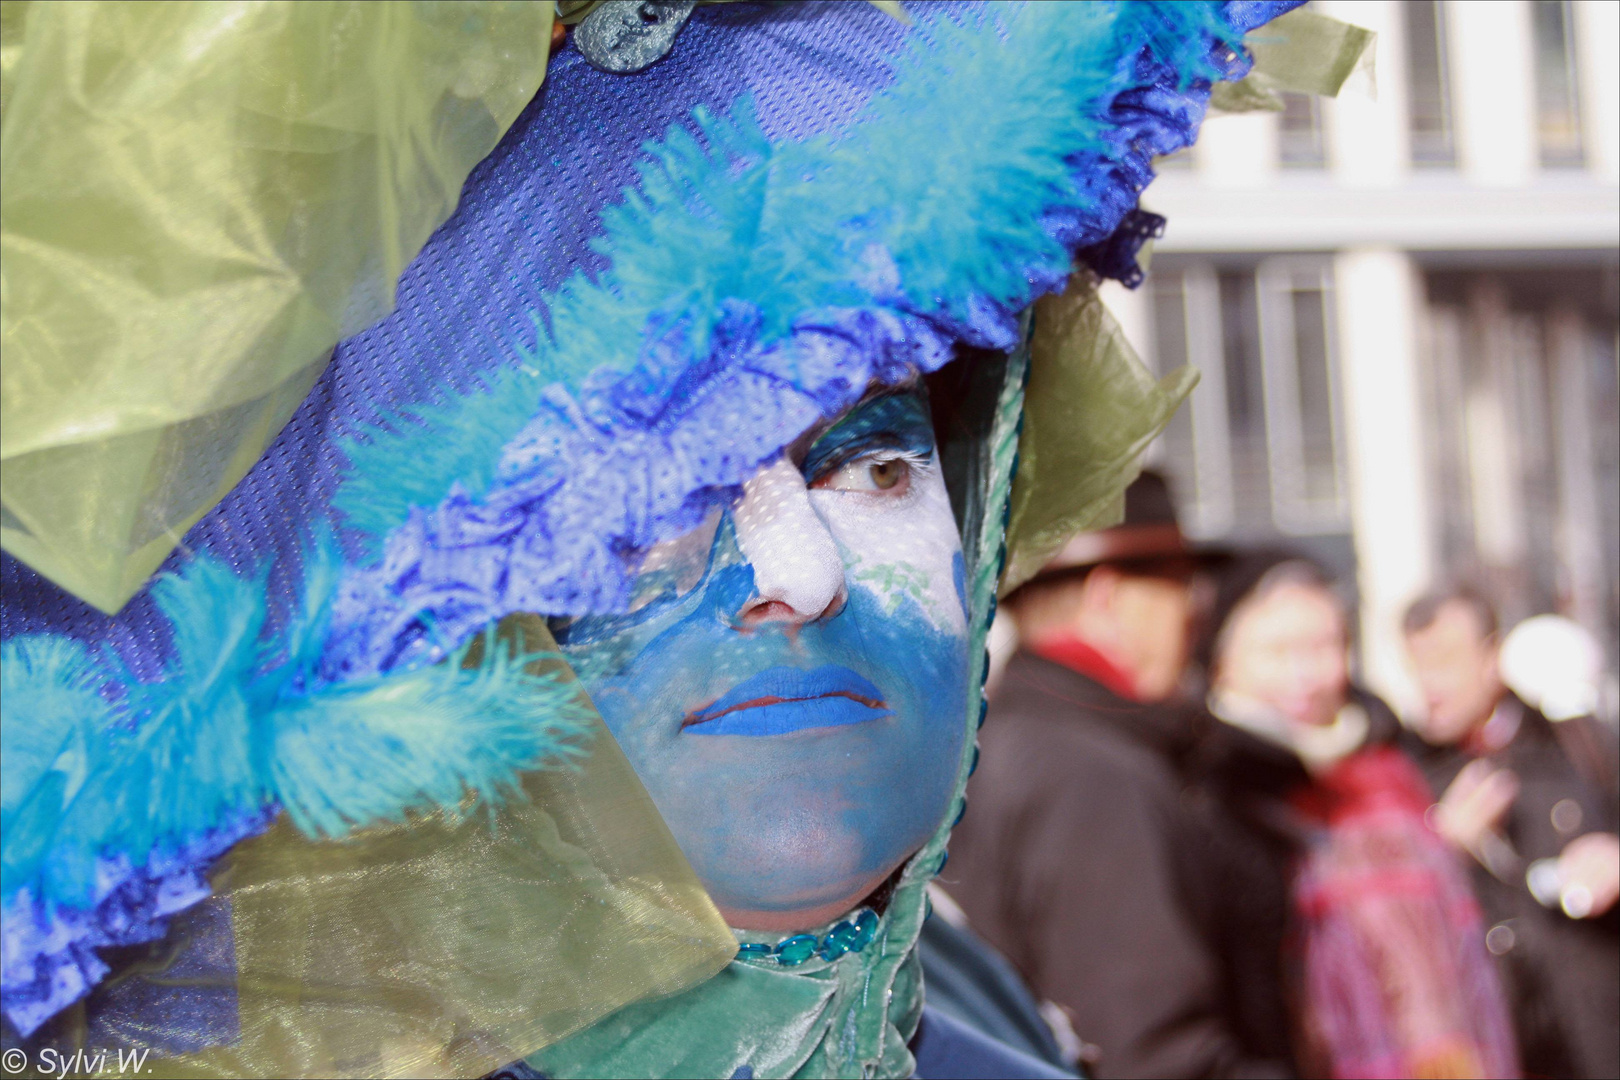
(898, 422)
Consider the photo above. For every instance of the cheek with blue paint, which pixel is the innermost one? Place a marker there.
(791, 685)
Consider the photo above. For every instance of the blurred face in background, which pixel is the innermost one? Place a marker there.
(1152, 613)
(1455, 661)
(1138, 620)
(1286, 648)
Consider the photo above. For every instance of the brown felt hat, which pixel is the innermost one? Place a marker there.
(1150, 532)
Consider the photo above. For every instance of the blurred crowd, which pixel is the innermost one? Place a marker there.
(1204, 850)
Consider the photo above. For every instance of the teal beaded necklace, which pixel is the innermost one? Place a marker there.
(850, 935)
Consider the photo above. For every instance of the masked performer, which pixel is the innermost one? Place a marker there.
(588, 673)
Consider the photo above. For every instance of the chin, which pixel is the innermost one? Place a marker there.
(800, 918)
(790, 871)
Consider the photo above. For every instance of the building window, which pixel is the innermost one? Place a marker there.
(1245, 394)
(1524, 452)
(1259, 450)
(1299, 372)
(1195, 449)
(1558, 114)
(1429, 91)
(1299, 131)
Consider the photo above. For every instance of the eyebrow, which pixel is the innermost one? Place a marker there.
(799, 449)
(875, 423)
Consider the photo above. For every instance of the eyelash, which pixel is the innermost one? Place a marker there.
(913, 461)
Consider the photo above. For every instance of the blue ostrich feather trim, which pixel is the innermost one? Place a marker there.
(643, 467)
(755, 287)
(119, 794)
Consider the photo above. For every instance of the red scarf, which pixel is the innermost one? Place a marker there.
(1395, 977)
(1077, 655)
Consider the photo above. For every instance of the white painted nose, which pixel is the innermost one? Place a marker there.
(798, 574)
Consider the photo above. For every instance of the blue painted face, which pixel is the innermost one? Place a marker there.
(791, 683)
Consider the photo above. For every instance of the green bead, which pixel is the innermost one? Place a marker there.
(796, 950)
(839, 941)
(866, 927)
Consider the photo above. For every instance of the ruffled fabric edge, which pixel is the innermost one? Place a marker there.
(48, 952)
(644, 469)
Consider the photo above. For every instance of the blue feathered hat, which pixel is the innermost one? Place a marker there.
(652, 285)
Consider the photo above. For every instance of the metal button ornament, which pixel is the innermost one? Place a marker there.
(1566, 816)
(625, 36)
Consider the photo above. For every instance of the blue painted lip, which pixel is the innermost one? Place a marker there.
(780, 700)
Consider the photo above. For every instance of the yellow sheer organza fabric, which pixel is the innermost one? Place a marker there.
(197, 201)
(1091, 407)
(1302, 51)
(448, 945)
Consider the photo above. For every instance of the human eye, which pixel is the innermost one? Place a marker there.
(886, 472)
(876, 450)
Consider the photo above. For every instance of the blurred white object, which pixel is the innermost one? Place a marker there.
(1555, 665)
(1002, 644)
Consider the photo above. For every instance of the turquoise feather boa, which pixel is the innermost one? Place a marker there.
(100, 764)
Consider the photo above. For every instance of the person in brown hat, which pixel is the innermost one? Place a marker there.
(1076, 857)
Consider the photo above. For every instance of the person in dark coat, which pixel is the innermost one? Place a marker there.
(1344, 925)
(1533, 804)
(971, 982)
(1075, 858)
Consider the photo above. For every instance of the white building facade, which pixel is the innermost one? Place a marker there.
(1403, 303)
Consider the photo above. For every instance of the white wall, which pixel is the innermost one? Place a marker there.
(1238, 199)
(1366, 125)
(1490, 49)
(1237, 151)
(1378, 295)
(1597, 44)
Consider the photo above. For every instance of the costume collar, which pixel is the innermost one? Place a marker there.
(814, 1019)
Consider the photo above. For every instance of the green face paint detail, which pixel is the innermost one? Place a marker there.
(894, 583)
